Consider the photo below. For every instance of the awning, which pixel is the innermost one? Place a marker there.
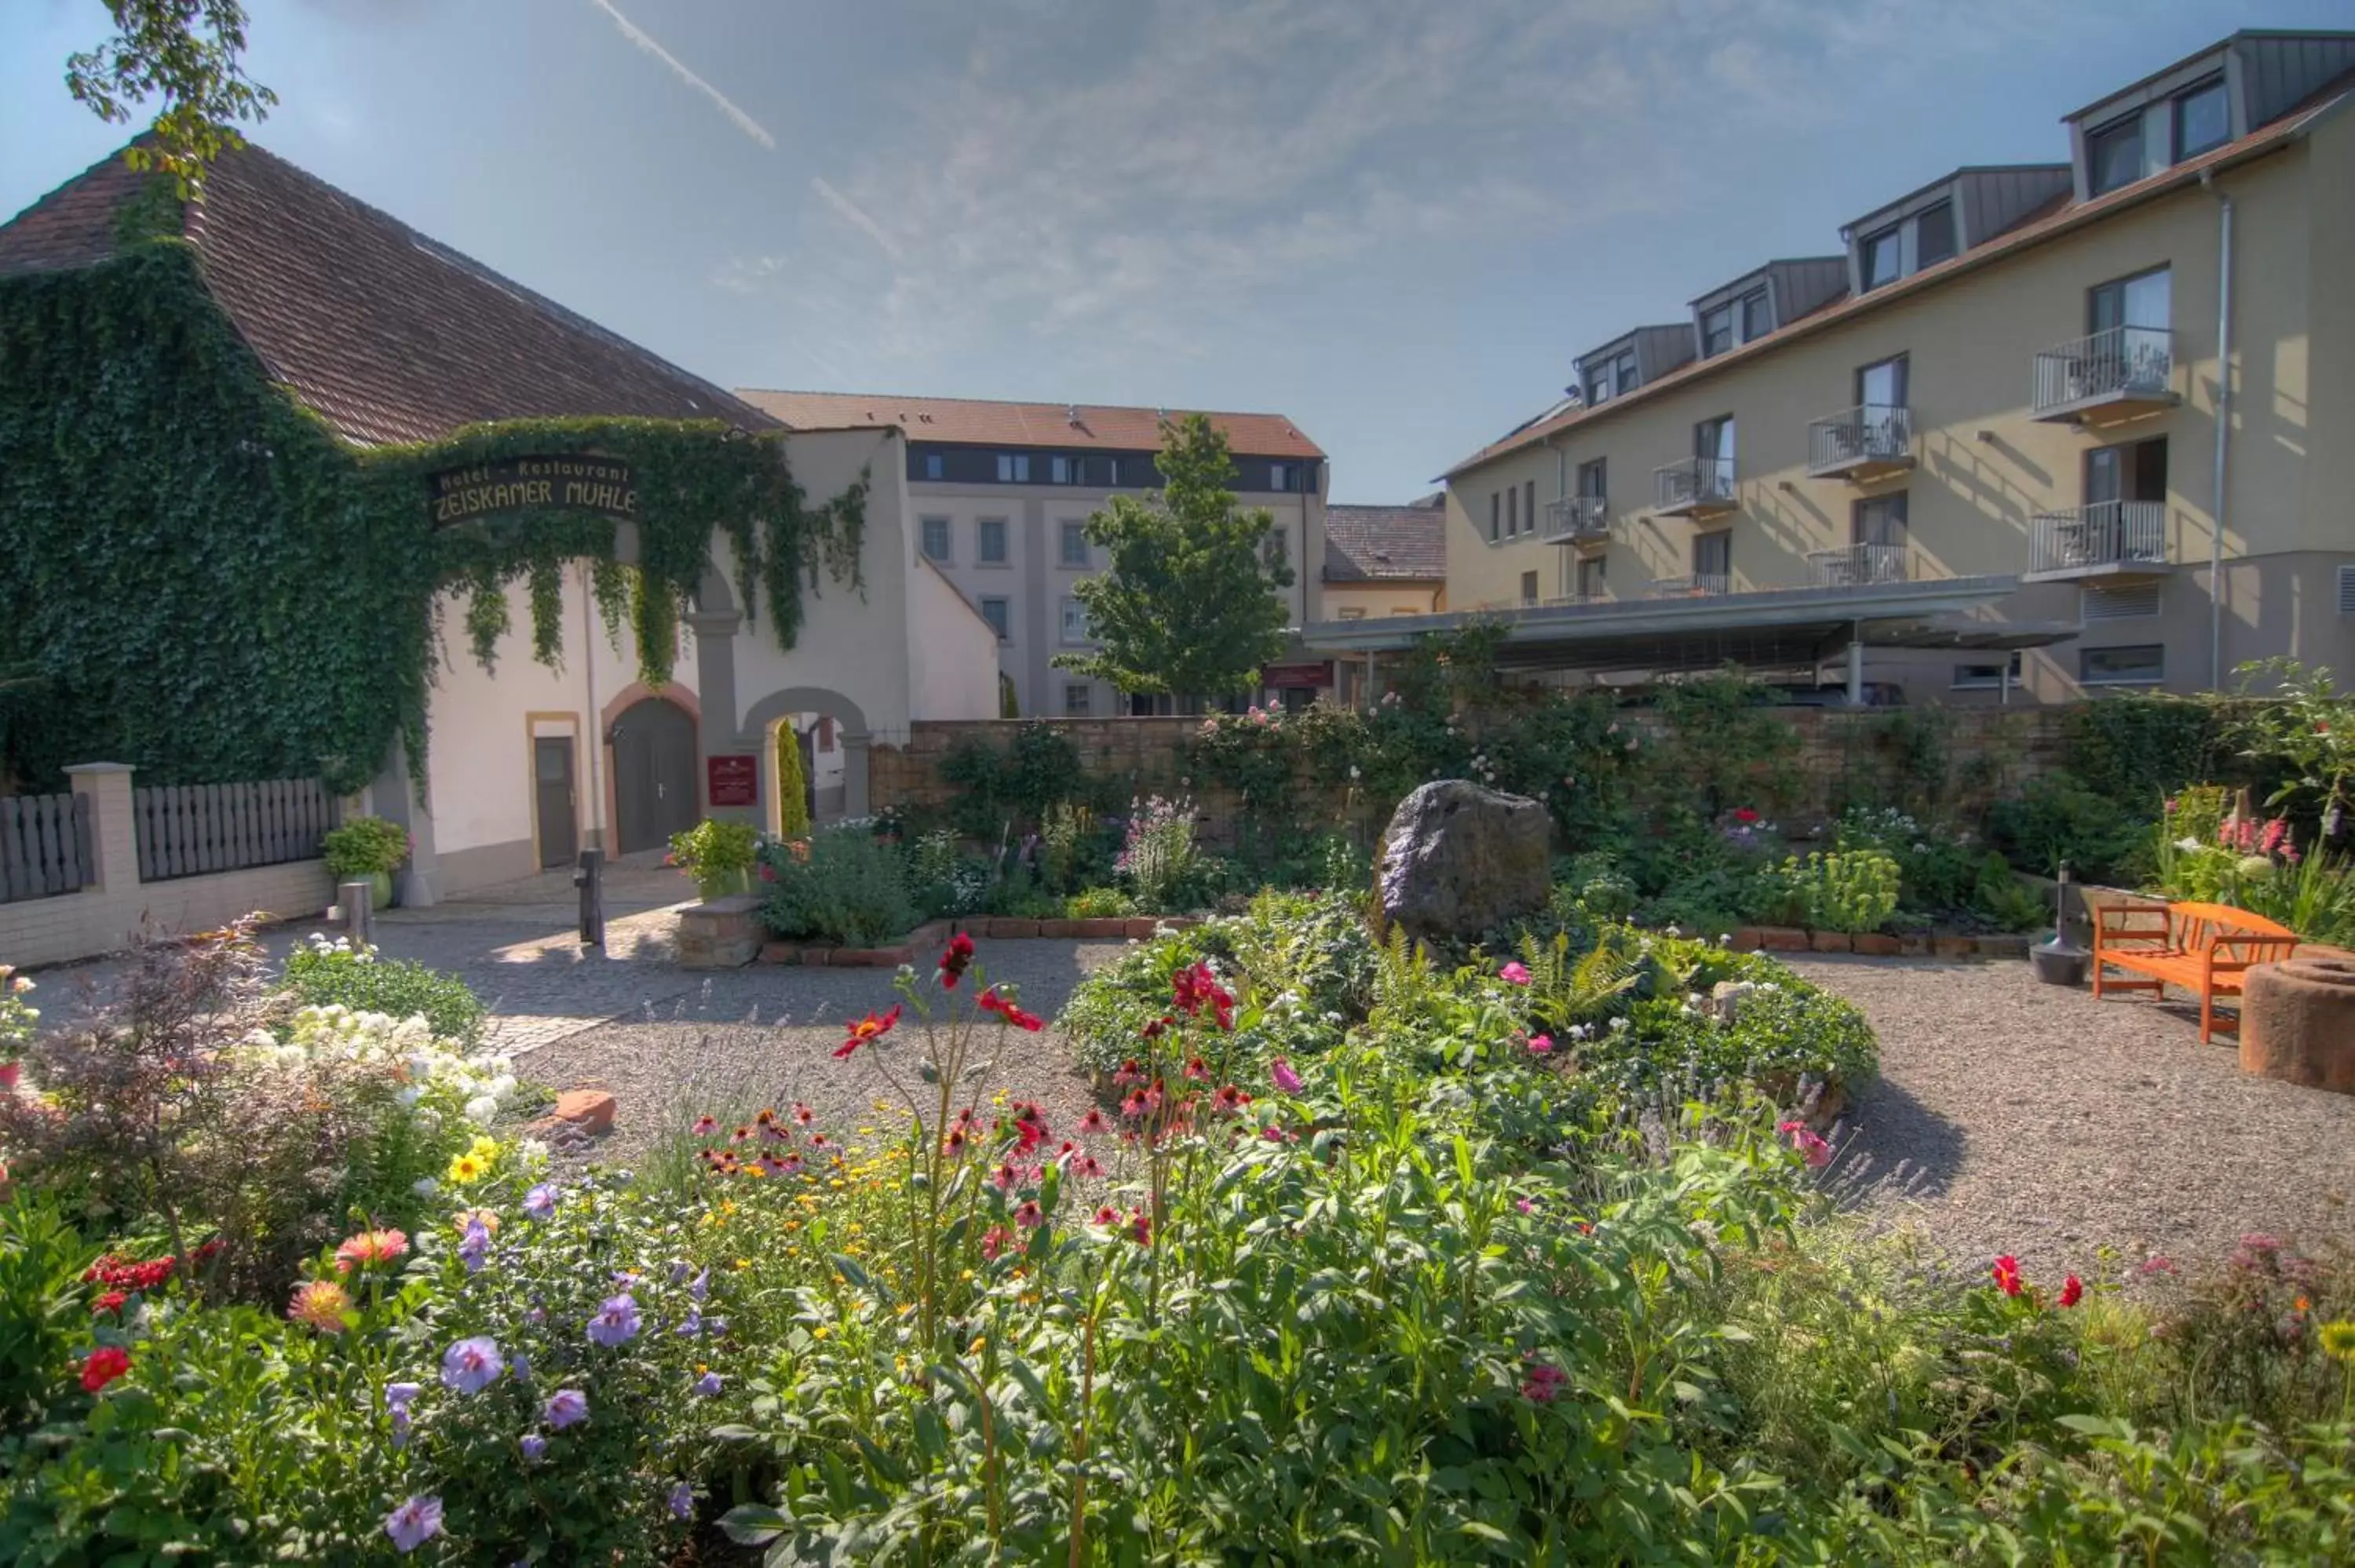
(1786, 627)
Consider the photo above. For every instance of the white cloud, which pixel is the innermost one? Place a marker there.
(854, 216)
(636, 34)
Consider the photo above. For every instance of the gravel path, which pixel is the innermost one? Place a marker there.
(2025, 1119)
(766, 1035)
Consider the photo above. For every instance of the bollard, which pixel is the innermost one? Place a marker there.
(354, 904)
(589, 878)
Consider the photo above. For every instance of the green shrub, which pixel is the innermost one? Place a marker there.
(717, 855)
(2057, 817)
(840, 884)
(1098, 903)
(43, 1307)
(365, 846)
(1851, 890)
(1160, 857)
(324, 973)
(1774, 1033)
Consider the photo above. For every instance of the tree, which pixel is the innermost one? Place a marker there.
(1190, 605)
(186, 53)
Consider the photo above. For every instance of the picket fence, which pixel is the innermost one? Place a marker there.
(44, 846)
(189, 830)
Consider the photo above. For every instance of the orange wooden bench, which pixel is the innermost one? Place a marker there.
(2205, 948)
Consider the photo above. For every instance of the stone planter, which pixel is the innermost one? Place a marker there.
(723, 934)
(2298, 1022)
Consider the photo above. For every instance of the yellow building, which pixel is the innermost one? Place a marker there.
(1996, 420)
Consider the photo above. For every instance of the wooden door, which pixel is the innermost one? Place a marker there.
(551, 772)
(654, 775)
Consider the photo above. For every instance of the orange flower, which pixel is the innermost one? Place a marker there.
(866, 1031)
(370, 1247)
(321, 1304)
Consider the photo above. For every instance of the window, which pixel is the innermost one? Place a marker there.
(2144, 664)
(934, 466)
(1878, 520)
(1280, 476)
(936, 538)
(1512, 510)
(1592, 479)
(2118, 601)
(2114, 154)
(1354, 612)
(1933, 234)
(992, 544)
(1111, 472)
(1712, 560)
(1882, 385)
(1592, 571)
(2203, 119)
(1075, 621)
(1075, 544)
(2144, 301)
(1756, 320)
(1277, 548)
(1077, 698)
(1713, 445)
(1013, 468)
(1000, 616)
(2346, 590)
(1529, 587)
(1530, 507)
(1883, 254)
(1067, 470)
(1495, 515)
(2134, 471)
(825, 732)
(1716, 331)
(1985, 677)
(1611, 376)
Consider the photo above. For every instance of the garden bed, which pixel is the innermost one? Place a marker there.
(1002, 928)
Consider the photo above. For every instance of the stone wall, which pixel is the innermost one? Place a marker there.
(1988, 754)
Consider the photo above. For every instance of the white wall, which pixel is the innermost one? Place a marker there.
(952, 652)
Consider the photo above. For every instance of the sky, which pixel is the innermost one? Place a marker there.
(1395, 221)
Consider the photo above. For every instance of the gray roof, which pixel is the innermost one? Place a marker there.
(1387, 543)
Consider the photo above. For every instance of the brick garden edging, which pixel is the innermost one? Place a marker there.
(997, 927)
(1879, 944)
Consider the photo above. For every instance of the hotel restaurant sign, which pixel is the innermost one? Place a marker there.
(602, 485)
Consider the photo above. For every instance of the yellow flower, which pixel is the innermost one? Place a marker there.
(484, 1147)
(743, 1263)
(906, 1307)
(980, 1343)
(2338, 1341)
(466, 1169)
(818, 1332)
(483, 1217)
(966, 1275)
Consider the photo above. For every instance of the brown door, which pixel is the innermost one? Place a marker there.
(653, 774)
(552, 771)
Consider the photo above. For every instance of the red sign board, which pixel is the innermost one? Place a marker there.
(735, 781)
(1310, 676)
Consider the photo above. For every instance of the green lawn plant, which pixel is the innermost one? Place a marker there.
(335, 971)
(718, 855)
(1847, 890)
(365, 846)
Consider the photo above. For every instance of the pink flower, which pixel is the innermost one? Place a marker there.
(1807, 1141)
(1540, 1043)
(1544, 1384)
(995, 1241)
(1514, 973)
(1280, 1072)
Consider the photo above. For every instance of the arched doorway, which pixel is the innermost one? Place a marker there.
(832, 734)
(654, 792)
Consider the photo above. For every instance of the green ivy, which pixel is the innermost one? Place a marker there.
(198, 577)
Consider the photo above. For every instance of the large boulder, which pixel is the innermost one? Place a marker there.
(2297, 1021)
(1459, 860)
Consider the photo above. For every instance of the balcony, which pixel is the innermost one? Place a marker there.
(1700, 585)
(1576, 519)
(1696, 487)
(2105, 538)
(1571, 600)
(2124, 371)
(1861, 443)
(1857, 566)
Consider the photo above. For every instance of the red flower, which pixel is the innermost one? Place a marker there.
(866, 1031)
(1543, 1384)
(110, 1302)
(1131, 1072)
(1230, 1100)
(1153, 1030)
(105, 1364)
(2007, 1275)
(1198, 1071)
(954, 961)
(1107, 1215)
(993, 1002)
(1745, 816)
(1192, 990)
(2072, 1291)
(1140, 1227)
(995, 1241)
(1094, 1122)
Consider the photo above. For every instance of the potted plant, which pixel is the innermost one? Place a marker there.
(718, 855)
(16, 1020)
(367, 847)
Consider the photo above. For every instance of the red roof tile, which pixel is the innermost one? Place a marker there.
(973, 421)
(389, 336)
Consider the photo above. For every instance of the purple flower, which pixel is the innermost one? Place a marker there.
(707, 1384)
(472, 1365)
(473, 1246)
(616, 1322)
(678, 1271)
(414, 1522)
(532, 1443)
(520, 1364)
(540, 1201)
(400, 1395)
(566, 1407)
(692, 1324)
(682, 1500)
(700, 1286)
(715, 1327)
(536, 1316)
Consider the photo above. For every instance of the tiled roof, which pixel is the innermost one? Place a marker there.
(387, 335)
(2059, 217)
(973, 421)
(1387, 543)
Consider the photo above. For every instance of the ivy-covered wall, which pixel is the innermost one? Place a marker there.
(199, 577)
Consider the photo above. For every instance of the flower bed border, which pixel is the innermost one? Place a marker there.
(999, 928)
(1880, 944)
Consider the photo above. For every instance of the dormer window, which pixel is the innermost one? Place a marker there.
(2203, 119)
(1756, 320)
(1716, 331)
(2114, 154)
(1883, 257)
(1933, 234)
(1610, 377)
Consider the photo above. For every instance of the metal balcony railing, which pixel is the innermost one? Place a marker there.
(1566, 600)
(1700, 585)
(1576, 517)
(2125, 365)
(1857, 566)
(1869, 436)
(1694, 484)
(2101, 536)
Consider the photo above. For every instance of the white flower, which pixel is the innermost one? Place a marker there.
(21, 985)
(409, 1096)
(1672, 932)
(482, 1110)
(1618, 1025)
(425, 1187)
(2190, 845)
